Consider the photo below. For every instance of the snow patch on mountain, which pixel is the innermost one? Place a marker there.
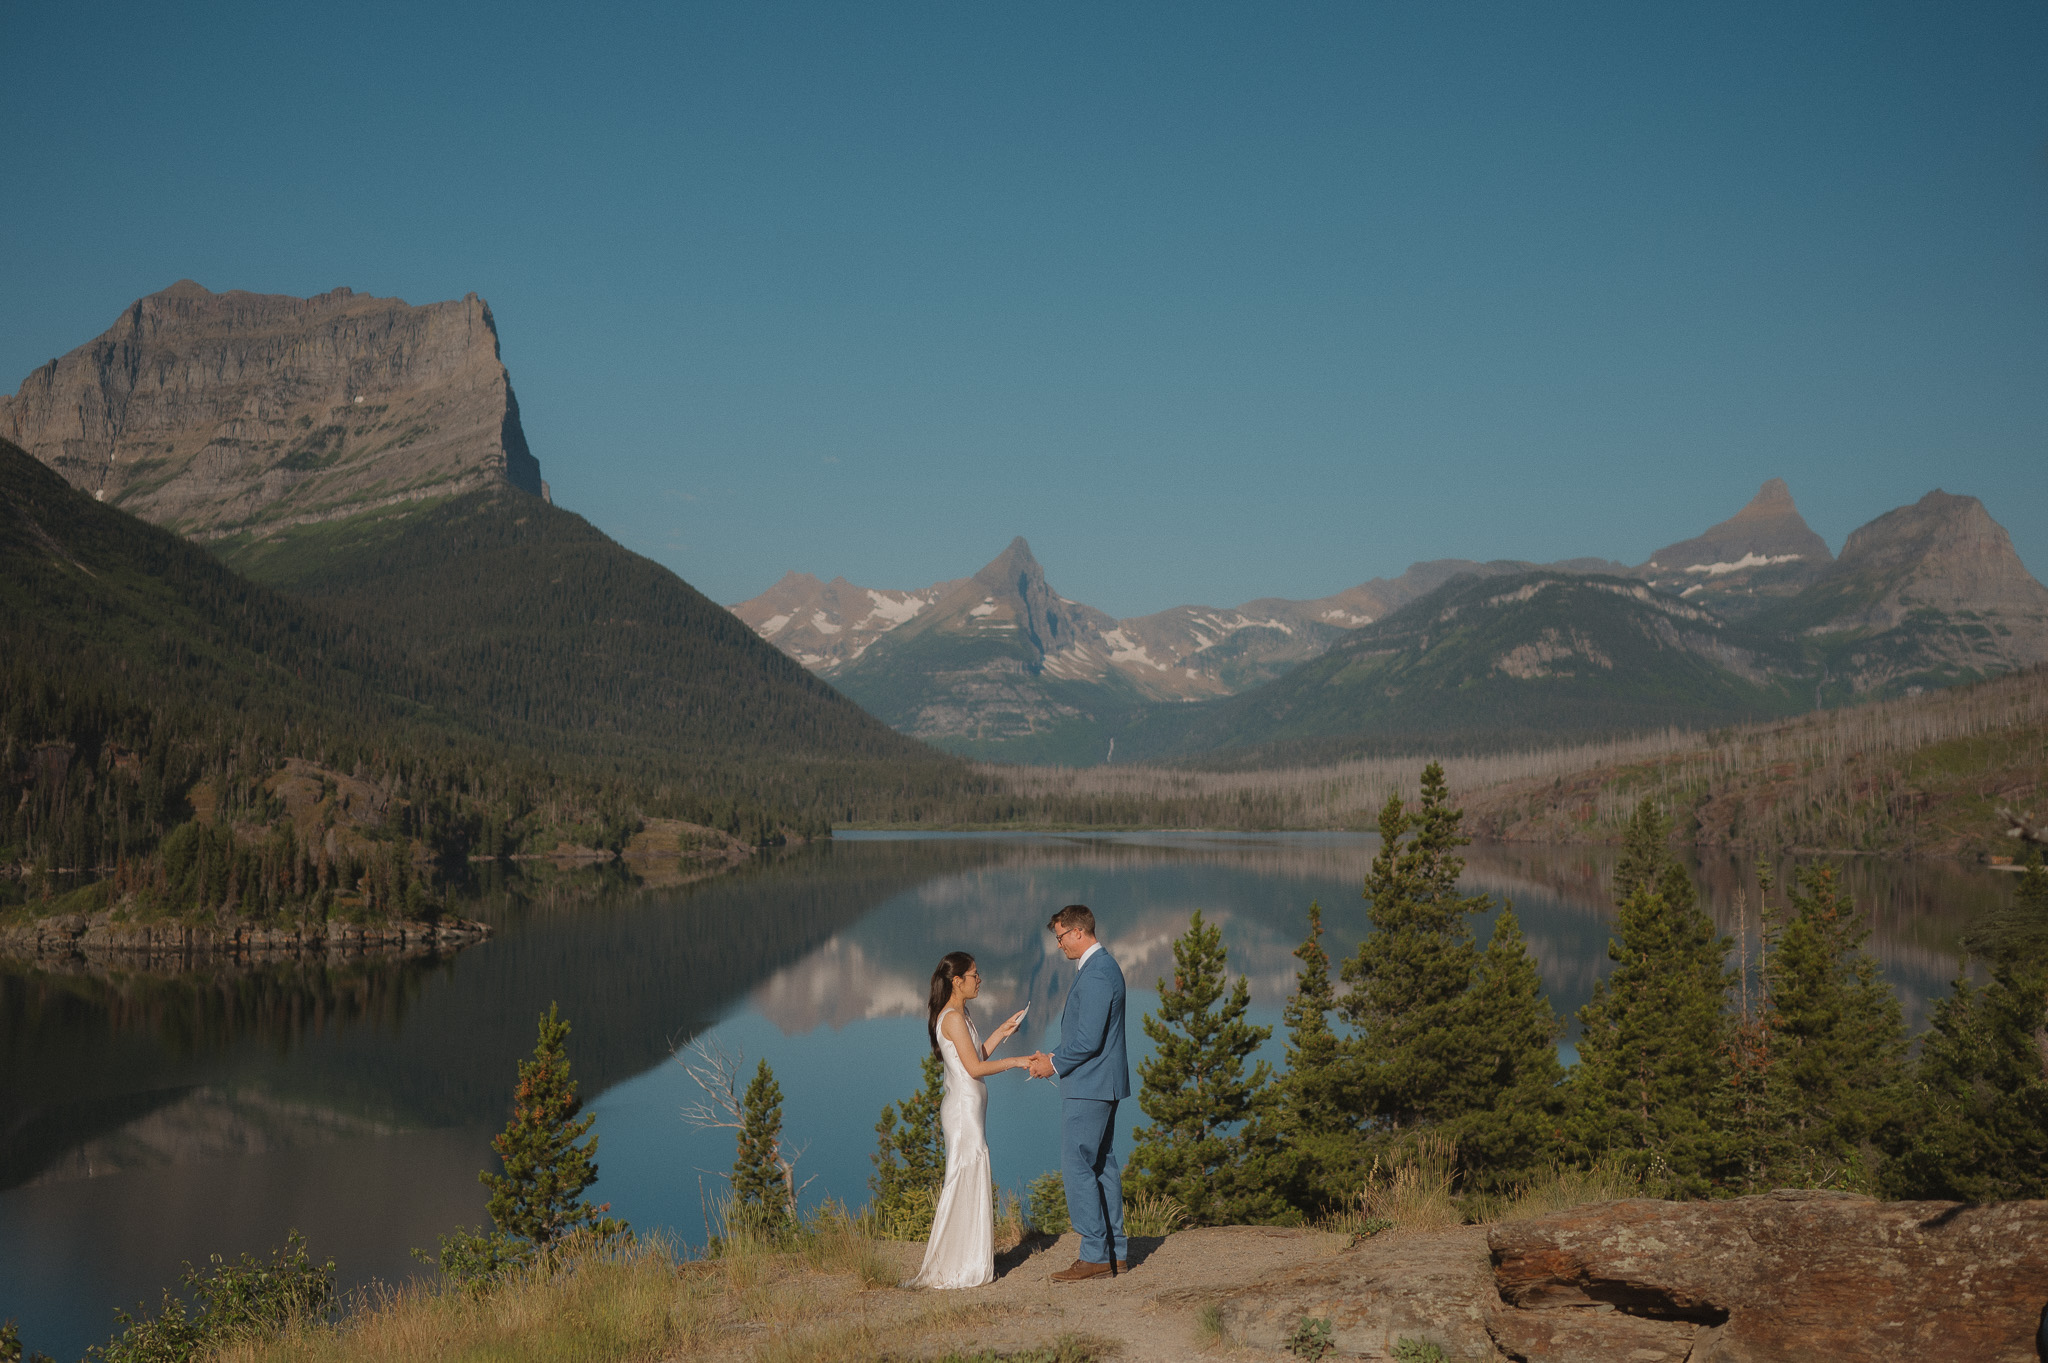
(895, 610)
(1750, 560)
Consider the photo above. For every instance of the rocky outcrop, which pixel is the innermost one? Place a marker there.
(217, 414)
(1784, 1277)
(1428, 1286)
(1789, 1277)
(1763, 552)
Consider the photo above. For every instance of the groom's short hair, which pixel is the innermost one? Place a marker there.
(1074, 916)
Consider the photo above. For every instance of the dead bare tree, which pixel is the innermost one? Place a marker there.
(716, 1073)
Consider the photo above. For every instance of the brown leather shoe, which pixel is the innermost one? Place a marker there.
(1081, 1271)
(1123, 1266)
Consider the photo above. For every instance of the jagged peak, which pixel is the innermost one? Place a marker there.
(1772, 500)
(1015, 561)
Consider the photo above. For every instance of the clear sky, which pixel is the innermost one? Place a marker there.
(1210, 302)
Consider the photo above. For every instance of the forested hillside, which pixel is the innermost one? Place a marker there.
(183, 740)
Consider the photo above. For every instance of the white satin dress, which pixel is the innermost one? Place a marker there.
(962, 1250)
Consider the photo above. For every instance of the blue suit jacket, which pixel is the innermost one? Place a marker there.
(1090, 1059)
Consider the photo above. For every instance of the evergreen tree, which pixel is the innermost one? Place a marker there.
(1977, 1126)
(1211, 1140)
(1511, 1138)
(538, 1197)
(910, 1147)
(2020, 932)
(763, 1183)
(1838, 1045)
(1978, 1122)
(1315, 1110)
(1653, 1075)
(1416, 1056)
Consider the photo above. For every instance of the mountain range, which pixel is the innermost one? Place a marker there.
(1751, 619)
(365, 458)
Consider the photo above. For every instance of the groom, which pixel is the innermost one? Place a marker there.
(1093, 1076)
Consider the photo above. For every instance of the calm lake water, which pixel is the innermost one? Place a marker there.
(144, 1122)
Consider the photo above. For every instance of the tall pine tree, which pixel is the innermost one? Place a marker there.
(1977, 1126)
(1416, 1056)
(1315, 1118)
(538, 1196)
(1836, 1081)
(910, 1147)
(1520, 1131)
(763, 1181)
(1211, 1142)
(1652, 1082)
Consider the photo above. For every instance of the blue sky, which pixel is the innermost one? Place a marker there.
(1209, 302)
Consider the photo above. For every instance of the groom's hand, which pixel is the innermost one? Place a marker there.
(1041, 1066)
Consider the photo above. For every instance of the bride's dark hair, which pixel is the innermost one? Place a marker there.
(951, 967)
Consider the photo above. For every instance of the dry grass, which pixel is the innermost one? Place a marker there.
(1154, 1214)
(1412, 1191)
(618, 1304)
(1562, 1189)
(802, 1298)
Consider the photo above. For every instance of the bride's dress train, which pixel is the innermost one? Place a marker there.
(962, 1250)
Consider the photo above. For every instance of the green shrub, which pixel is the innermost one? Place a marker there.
(1312, 1338)
(478, 1259)
(1047, 1195)
(233, 1302)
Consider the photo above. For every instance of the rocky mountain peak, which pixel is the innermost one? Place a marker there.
(1764, 551)
(240, 413)
(1773, 501)
(1943, 552)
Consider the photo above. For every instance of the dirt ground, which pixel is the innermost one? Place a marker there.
(1152, 1314)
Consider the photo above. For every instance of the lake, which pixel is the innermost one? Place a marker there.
(145, 1122)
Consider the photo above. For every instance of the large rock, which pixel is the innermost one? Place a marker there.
(1433, 1287)
(216, 414)
(1783, 1278)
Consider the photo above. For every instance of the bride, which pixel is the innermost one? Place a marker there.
(961, 1252)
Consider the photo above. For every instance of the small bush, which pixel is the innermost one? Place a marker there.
(1209, 1324)
(1154, 1214)
(1312, 1338)
(235, 1302)
(10, 1345)
(1047, 1195)
(1408, 1350)
(478, 1259)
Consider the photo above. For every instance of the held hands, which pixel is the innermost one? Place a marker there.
(1040, 1066)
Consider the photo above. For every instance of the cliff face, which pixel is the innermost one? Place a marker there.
(218, 414)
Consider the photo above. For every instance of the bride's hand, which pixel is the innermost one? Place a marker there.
(1008, 1029)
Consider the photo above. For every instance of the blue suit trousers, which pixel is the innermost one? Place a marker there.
(1094, 1179)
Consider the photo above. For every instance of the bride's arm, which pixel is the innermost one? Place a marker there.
(971, 1059)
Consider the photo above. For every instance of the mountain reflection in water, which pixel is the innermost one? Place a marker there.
(144, 1121)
